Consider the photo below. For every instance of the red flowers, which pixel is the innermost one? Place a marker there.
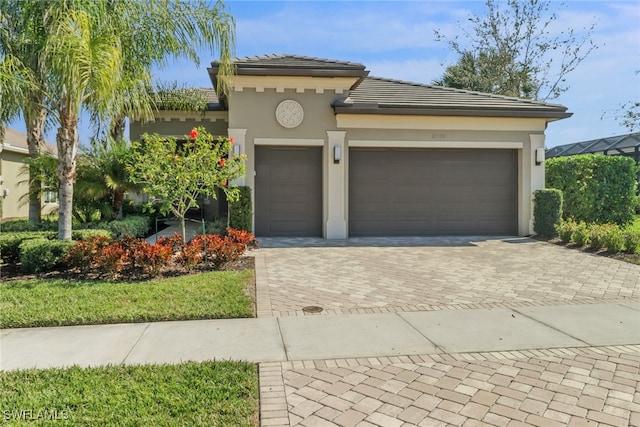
(221, 162)
(194, 133)
(231, 140)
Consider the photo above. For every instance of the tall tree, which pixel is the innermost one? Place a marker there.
(22, 38)
(97, 55)
(515, 51)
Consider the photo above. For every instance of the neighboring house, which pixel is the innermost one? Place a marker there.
(14, 187)
(334, 153)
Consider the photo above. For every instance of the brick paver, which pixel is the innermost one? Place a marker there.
(435, 273)
(596, 386)
(336, 393)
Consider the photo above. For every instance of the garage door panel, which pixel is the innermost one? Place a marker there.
(288, 191)
(432, 192)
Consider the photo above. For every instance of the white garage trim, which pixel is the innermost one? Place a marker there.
(435, 144)
(307, 142)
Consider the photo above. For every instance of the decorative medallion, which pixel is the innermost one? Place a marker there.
(289, 113)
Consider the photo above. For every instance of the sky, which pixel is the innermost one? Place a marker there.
(396, 39)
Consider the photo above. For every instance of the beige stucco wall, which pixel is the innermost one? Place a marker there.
(178, 124)
(252, 121)
(15, 204)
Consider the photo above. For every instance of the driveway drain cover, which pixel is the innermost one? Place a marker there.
(312, 309)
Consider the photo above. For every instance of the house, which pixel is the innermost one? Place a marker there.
(14, 187)
(335, 153)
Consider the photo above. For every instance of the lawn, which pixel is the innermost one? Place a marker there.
(193, 394)
(58, 302)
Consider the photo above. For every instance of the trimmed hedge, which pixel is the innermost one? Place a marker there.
(547, 211)
(241, 211)
(10, 242)
(38, 255)
(596, 188)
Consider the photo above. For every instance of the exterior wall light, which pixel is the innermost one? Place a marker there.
(337, 154)
(539, 156)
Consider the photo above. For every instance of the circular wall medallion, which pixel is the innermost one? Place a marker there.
(289, 113)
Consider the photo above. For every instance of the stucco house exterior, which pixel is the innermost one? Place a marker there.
(13, 181)
(335, 153)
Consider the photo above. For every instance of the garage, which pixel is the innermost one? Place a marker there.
(288, 191)
(396, 192)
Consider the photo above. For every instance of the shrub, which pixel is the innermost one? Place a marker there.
(135, 226)
(16, 225)
(547, 211)
(613, 238)
(219, 250)
(110, 259)
(597, 234)
(631, 241)
(241, 211)
(40, 255)
(174, 242)
(218, 226)
(596, 188)
(83, 255)
(10, 242)
(565, 229)
(243, 237)
(146, 258)
(580, 234)
(89, 233)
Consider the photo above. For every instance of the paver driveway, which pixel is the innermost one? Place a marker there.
(543, 387)
(382, 275)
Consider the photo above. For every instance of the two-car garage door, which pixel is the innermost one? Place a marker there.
(392, 192)
(395, 192)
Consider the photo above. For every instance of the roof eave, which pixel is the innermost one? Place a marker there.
(439, 111)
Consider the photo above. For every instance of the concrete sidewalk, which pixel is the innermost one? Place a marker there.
(325, 337)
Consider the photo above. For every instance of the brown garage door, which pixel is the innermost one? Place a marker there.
(288, 191)
(432, 192)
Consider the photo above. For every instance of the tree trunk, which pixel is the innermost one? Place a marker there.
(67, 140)
(35, 142)
(118, 197)
(117, 128)
(183, 228)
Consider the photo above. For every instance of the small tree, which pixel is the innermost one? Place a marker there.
(176, 172)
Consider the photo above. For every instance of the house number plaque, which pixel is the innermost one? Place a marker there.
(289, 113)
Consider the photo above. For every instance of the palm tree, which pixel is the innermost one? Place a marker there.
(84, 59)
(21, 41)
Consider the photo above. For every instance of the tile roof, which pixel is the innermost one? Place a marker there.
(296, 61)
(386, 96)
(16, 141)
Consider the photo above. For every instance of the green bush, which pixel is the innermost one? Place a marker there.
(580, 234)
(41, 255)
(16, 225)
(596, 188)
(218, 226)
(134, 226)
(565, 228)
(10, 242)
(89, 233)
(241, 212)
(547, 211)
(613, 238)
(631, 241)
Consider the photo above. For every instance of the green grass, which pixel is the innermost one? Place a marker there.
(190, 394)
(57, 302)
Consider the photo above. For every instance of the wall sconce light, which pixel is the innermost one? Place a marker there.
(236, 149)
(539, 156)
(337, 154)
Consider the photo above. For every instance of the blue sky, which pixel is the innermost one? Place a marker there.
(395, 39)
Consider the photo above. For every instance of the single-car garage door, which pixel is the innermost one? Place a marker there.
(394, 192)
(288, 191)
